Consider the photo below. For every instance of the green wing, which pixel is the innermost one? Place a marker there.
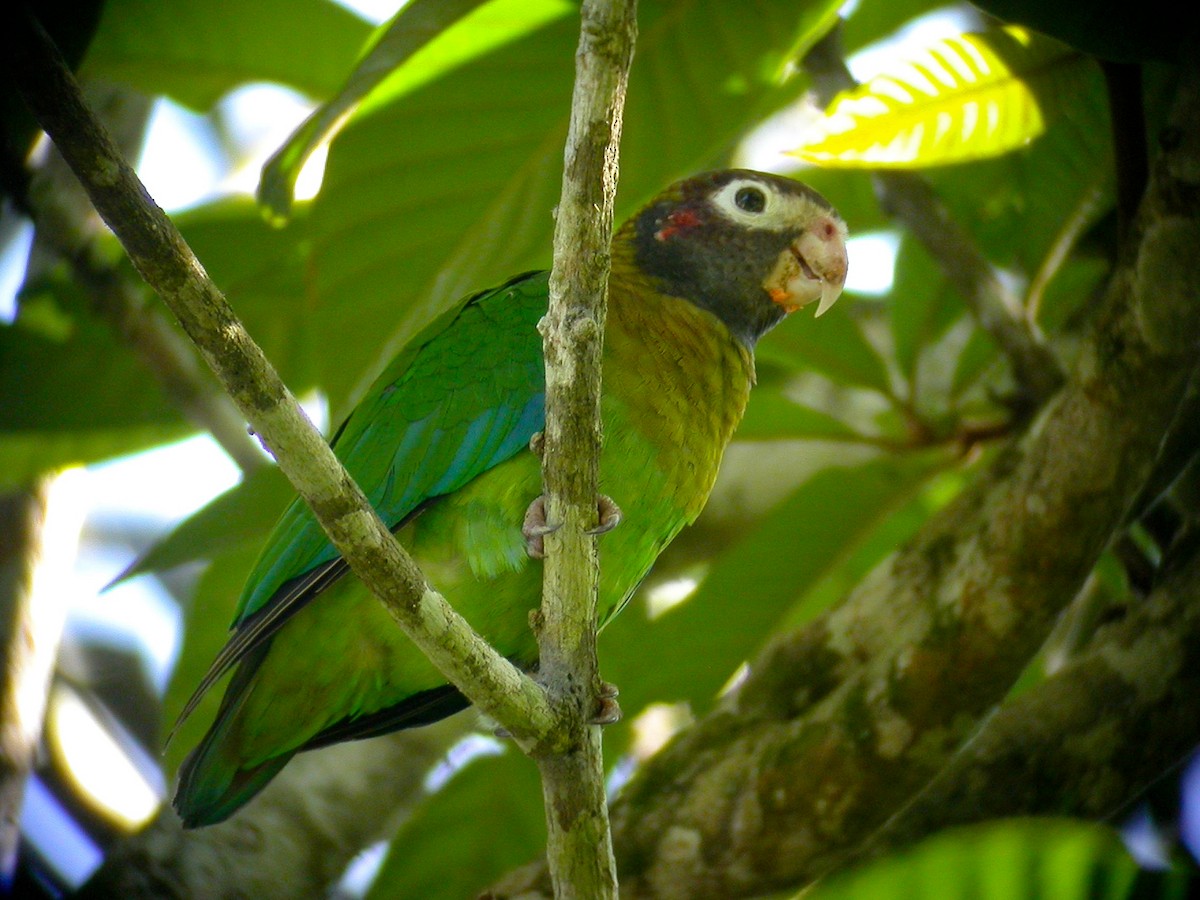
(465, 395)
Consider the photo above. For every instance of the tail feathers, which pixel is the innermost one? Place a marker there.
(213, 784)
(214, 780)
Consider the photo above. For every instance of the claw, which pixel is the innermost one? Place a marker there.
(608, 513)
(534, 528)
(607, 711)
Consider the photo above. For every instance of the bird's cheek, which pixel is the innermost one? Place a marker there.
(788, 285)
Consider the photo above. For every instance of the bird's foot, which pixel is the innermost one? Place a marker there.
(606, 711)
(608, 513)
(534, 528)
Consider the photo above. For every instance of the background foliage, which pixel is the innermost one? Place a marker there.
(443, 181)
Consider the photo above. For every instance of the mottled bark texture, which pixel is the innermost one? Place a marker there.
(838, 725)
(579, 845)
(1095, 734)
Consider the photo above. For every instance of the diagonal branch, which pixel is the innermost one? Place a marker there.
(162, 257)
(68, 228)
(1096, 734)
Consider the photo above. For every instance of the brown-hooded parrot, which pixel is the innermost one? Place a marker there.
(441, 446)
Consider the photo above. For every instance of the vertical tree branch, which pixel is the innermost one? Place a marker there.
(579, 847)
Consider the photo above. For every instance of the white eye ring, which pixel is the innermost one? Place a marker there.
(748, 202)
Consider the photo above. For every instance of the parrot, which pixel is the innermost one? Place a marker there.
(444, 445)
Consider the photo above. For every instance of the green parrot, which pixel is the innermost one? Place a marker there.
(441, 446)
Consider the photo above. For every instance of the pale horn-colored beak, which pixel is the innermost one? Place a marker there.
(829, 294)
(812, 269)
(821, 252)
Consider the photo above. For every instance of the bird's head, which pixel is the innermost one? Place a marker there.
(746, 246)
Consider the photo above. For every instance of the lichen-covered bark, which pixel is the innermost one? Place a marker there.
(840, 724)
(1092, 736)
(579, 845)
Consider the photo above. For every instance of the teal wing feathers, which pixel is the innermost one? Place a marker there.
(465, 395)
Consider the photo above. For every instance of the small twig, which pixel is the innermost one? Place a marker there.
(910, 199)
(1063, 244)
(579, 848)
(160, 254)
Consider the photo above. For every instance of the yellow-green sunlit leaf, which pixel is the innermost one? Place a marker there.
(964, 98)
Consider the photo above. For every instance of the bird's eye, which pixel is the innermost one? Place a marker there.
(750, 199)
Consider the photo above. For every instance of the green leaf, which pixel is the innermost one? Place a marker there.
(1006, 860)
(486, 821)
(72, 393)
(836, 348)
(964, 98)
(698, 644)
(773, 415)
(922, 305)
(417, 23)
(242, 516)
(197, 50)
(900, 521)
(446, 179)
(262, 271)
(1017, 206)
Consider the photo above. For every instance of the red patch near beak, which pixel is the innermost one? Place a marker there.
(783, 298)
(677, 221)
